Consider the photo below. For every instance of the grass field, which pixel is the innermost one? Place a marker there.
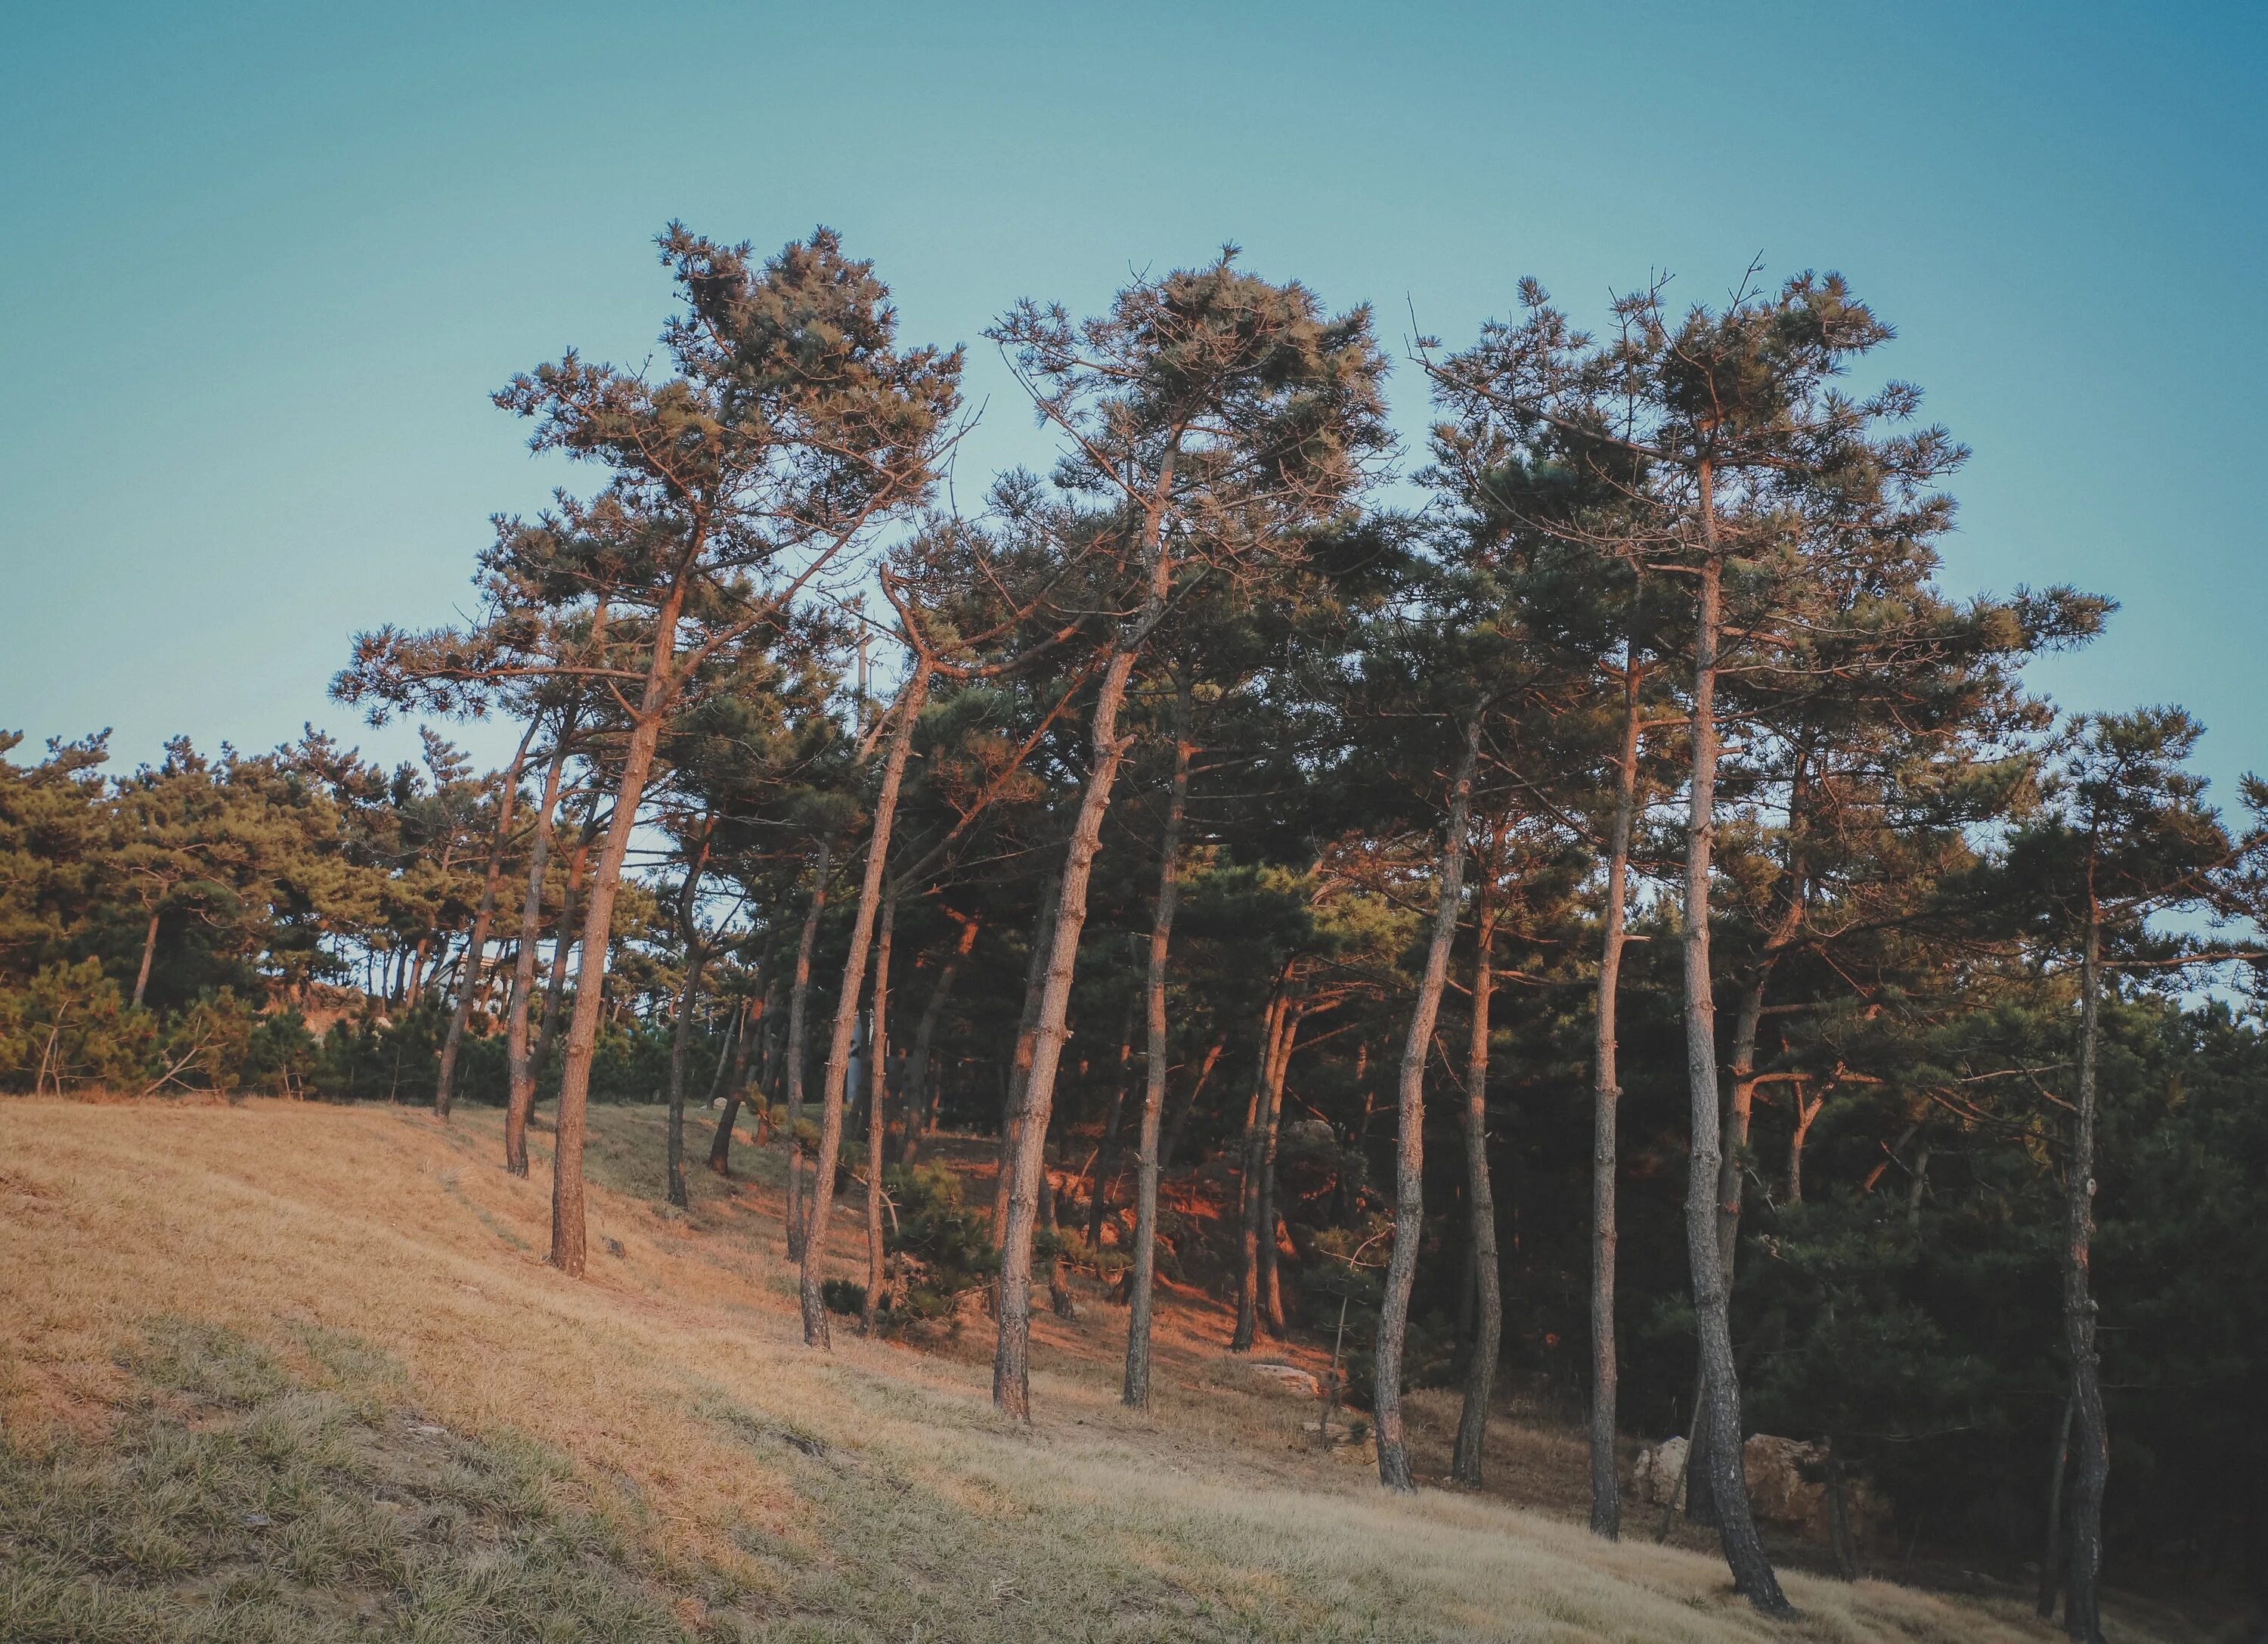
(280, 1372)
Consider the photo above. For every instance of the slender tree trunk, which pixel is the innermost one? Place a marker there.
(1606, 1097)
(476, 945)
(555, 993)
(753, 1028)
(1409, 1167)
(1480, 1201)
(1271, 1293)
(149, 955)
(2083, 1610)
(832, 1093)
(1134, 1393)
(1752, 1571)
(568, 1251)
(799, 1004)
(2051, 1551)
(921, 1108)
(1248, 1181)
(1020, 1060)
(1012, 1354)
(877, 1082)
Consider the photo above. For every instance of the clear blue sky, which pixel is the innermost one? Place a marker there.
(261, 266)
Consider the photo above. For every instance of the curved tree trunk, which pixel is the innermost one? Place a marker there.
(476, 945)
(1409, 1167)
(799, 1004)
(877, 1082)
(1012, 1352)
(1606, 1096)
(1480, 1201)
(1752, 1571)
(1020, 1060)
(2091, 1469)
(833, 1094)
(520, 1066)
(1134, 1393)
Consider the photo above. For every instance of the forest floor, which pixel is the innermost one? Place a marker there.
(273, 1371)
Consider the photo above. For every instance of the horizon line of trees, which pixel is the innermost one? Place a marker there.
(1804, 1017)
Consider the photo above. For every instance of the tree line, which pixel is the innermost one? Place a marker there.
(1815, 1030)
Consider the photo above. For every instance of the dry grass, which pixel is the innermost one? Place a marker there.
(757, 1489)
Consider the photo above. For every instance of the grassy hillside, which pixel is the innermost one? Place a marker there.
(271, 1371)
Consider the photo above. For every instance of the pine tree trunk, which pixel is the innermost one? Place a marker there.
(1606, 1096)
(1410, 1165)
(555, 993)
(1012, 1354)
(2082, 1611)
(1247, 1328)
(877, 1081)
(799, 1004)
(1272, 1294)
(1480, 1201)
(833, 1094)
(149, 956)
(921, 1107)
(1752, 1571)
(567, 1243)
(1019, 1061)
(476, 945)
(1135, 1392)
(752, 1029)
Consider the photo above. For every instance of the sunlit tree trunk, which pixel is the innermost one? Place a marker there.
(1752, 1571)
(520, 1068)
(1480, 1202)
(1020, 1061)
(877, 1081)
(149, 956)
(2090, 1460)
(1136, 1391)
(476, 945)
(1606, 1097)
(833, 1094)
(1409, 1164)
(1012, 1353)
(568, 1242)
(571, 908)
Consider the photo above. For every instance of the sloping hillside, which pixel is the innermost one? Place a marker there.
(297, 1372)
